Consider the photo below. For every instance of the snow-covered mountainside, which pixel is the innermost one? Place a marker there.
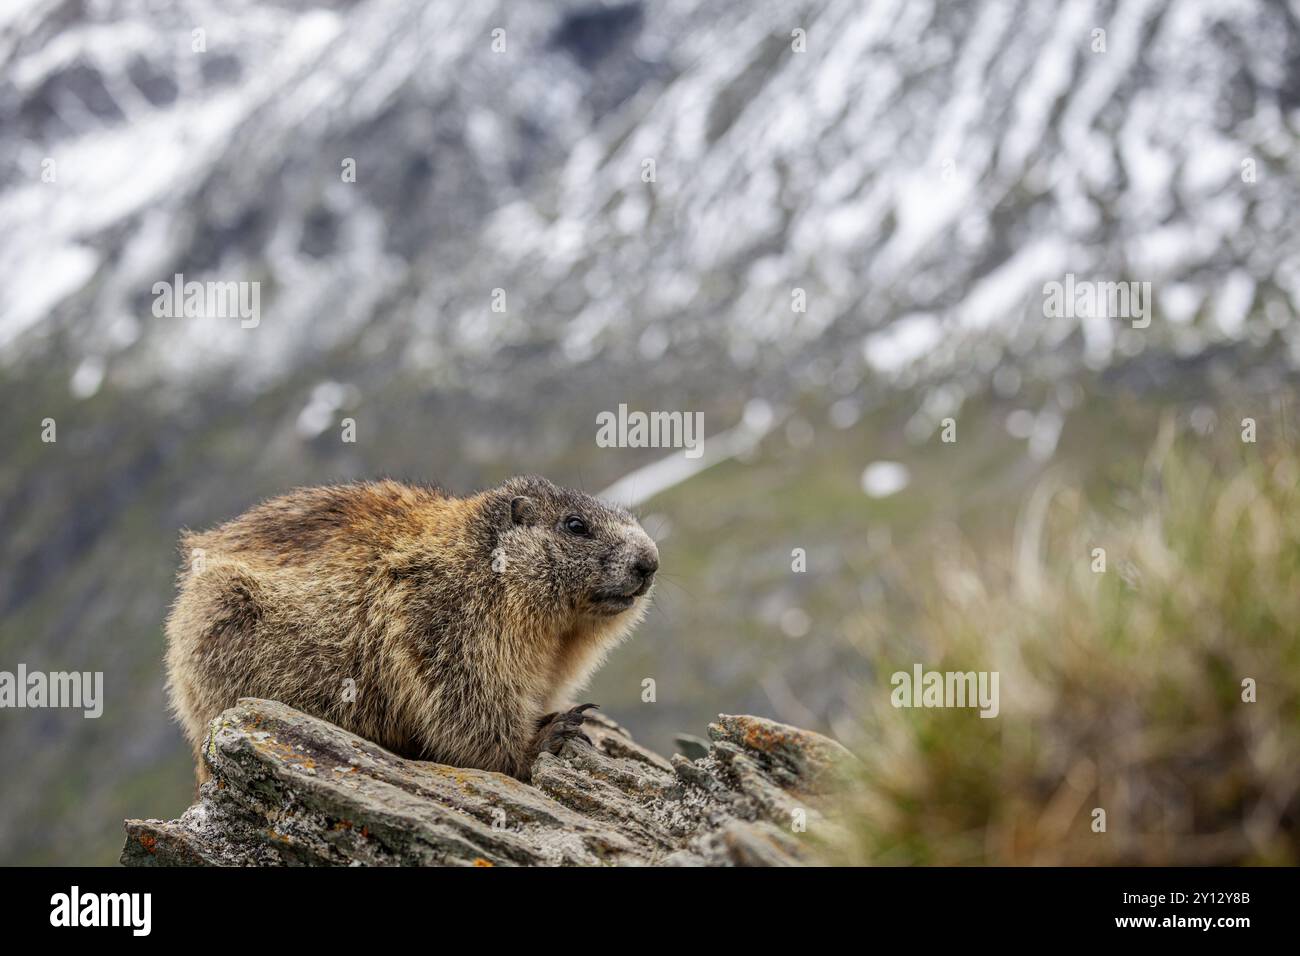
(930, 161)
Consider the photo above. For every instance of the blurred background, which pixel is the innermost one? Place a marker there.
(910, 172)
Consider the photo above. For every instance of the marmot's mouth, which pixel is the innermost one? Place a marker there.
(614, 602)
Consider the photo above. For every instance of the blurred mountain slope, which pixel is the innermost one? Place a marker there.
(936, 158)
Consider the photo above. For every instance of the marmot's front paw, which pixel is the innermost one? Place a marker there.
(554, 729)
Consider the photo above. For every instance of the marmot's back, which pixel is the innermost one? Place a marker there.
(347, 521)
(437, 626)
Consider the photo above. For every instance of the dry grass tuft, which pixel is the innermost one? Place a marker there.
(1120, 690)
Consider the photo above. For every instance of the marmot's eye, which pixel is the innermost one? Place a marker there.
(575, 525)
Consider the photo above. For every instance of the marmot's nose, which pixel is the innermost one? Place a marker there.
(646, 565)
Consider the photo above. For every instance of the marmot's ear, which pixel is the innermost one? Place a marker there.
(522, 510)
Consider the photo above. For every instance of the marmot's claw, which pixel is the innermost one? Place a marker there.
(574, 716)
(556, 728)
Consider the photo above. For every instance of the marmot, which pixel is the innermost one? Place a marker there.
(442, 628)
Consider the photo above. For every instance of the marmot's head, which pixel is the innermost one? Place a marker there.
(570, 551)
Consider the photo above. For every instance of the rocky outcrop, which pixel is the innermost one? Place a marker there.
(288, 788)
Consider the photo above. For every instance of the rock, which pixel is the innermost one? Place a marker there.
(288, 788)
(690, 746)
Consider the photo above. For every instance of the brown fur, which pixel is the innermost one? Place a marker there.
(461, 620)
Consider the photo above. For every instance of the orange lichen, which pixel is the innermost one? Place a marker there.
(284, 753)
(761, 738)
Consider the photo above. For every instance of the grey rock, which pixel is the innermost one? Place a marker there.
(690, 746)
(290, 789)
